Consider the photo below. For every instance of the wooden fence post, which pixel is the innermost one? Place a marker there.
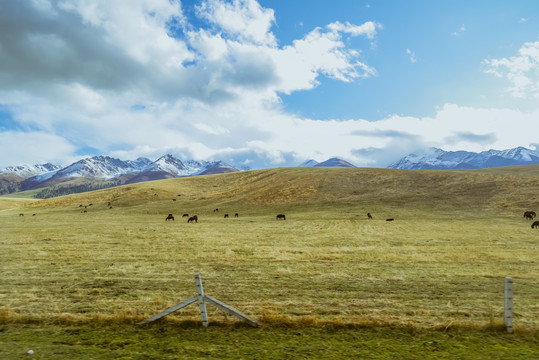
(508, 313)
(201, 300)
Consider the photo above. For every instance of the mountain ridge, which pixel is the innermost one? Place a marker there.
(438, 159)
(108, 171)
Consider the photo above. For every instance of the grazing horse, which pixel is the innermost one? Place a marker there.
(390, 219)
(281, 216)
(193, 218)
(215, 210)
(169, 217)
(369, 216)
(185, 215)
(21, 214)
(529, 215)
(236, 215)
(535, 225)
(226, 215)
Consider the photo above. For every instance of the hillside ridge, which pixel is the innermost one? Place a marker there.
(505, 189)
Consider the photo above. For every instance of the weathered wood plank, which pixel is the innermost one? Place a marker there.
(231, 311)
(169, 310)
(508, 312)
(201, 300)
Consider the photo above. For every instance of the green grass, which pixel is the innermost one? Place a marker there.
(327, 282)
(191, 341)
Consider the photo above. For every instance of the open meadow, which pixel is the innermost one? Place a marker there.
(79, 271)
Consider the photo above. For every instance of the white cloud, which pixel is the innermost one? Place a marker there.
(137, 27)
(460, 31)
(367, 29)
(32, 148)
(411, 55)
(245, 20)
(522, 70)
(138, 78)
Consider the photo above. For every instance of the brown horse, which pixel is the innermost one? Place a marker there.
(193, 218)
(535, 225)
(281, 217)
(369, 216)
(169, 217)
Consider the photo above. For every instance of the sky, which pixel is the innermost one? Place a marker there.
(268, 83)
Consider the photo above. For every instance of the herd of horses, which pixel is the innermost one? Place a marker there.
(530, 215)
(193, 218)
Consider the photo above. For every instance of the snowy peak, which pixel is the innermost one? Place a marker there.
(219, 167)
(168, 164)
(103, 167)
(308, 163)
(27, 171)
(442, 160)
(334, 162)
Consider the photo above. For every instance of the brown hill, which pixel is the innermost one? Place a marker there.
(512, 189)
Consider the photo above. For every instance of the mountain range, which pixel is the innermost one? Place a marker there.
(437, 159)
(104, 171)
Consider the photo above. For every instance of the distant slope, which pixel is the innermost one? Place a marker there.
(7, 203)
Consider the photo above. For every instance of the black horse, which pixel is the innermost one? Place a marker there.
(193, 218)
(529, 215)
(535, 225)
(169, 217)
(281, 217)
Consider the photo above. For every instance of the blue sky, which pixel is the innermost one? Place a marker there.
(265, 83)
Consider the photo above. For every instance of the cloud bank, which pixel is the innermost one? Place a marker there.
(144, 78)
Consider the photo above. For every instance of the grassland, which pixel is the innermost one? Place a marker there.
(327, 282)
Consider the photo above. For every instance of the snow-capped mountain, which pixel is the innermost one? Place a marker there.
(333, 162)
(168, 164)
(103, 167)
(219, 167)
(439, 159)
(26, 171)
(308, 163)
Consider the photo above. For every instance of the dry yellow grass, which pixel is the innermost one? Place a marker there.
(441, 263)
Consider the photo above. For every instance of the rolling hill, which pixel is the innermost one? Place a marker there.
(511, 189)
